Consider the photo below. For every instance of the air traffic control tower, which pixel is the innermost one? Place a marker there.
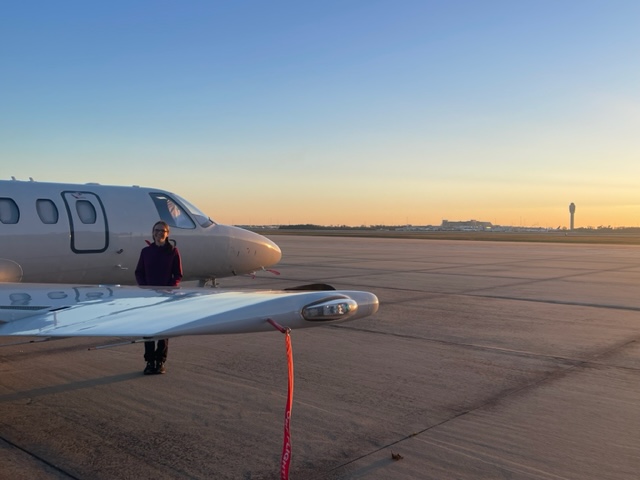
(572, 211)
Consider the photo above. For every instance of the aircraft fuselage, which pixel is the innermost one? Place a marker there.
(90, 233)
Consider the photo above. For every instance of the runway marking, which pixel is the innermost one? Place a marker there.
(558, 302)
(522, 353)
(39, 459)
(68, 387)
(497, 462)
(561, 371)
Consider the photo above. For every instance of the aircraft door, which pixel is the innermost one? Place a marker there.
(87, 222)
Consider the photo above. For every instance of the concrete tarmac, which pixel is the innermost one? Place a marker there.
(486, 360)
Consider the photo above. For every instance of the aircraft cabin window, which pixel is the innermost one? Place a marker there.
(86, 211)
(171, 212)
(9, 212)
(47, 210)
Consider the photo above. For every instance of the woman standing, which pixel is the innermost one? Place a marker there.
(159, 265)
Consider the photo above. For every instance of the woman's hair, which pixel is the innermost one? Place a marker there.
(169, 244)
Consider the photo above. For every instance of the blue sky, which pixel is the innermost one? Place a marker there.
(351, 112)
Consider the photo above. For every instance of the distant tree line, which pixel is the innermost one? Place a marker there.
(311, 226)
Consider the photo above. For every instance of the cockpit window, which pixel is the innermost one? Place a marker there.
(196, 213)
(171, 211)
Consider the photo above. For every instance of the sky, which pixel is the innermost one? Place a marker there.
(335, 112)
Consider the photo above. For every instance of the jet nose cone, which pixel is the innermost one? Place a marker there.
(253, 251)
(271, 252)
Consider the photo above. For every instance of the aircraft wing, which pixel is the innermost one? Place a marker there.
(44, 310)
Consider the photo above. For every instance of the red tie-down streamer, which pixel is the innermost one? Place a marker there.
(285, 460)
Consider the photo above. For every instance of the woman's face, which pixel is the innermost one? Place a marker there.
(160, 234)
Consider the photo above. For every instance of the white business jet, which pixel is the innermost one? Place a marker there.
(69, 251)
(64, 233)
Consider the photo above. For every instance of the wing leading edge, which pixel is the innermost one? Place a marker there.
(135, 312)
